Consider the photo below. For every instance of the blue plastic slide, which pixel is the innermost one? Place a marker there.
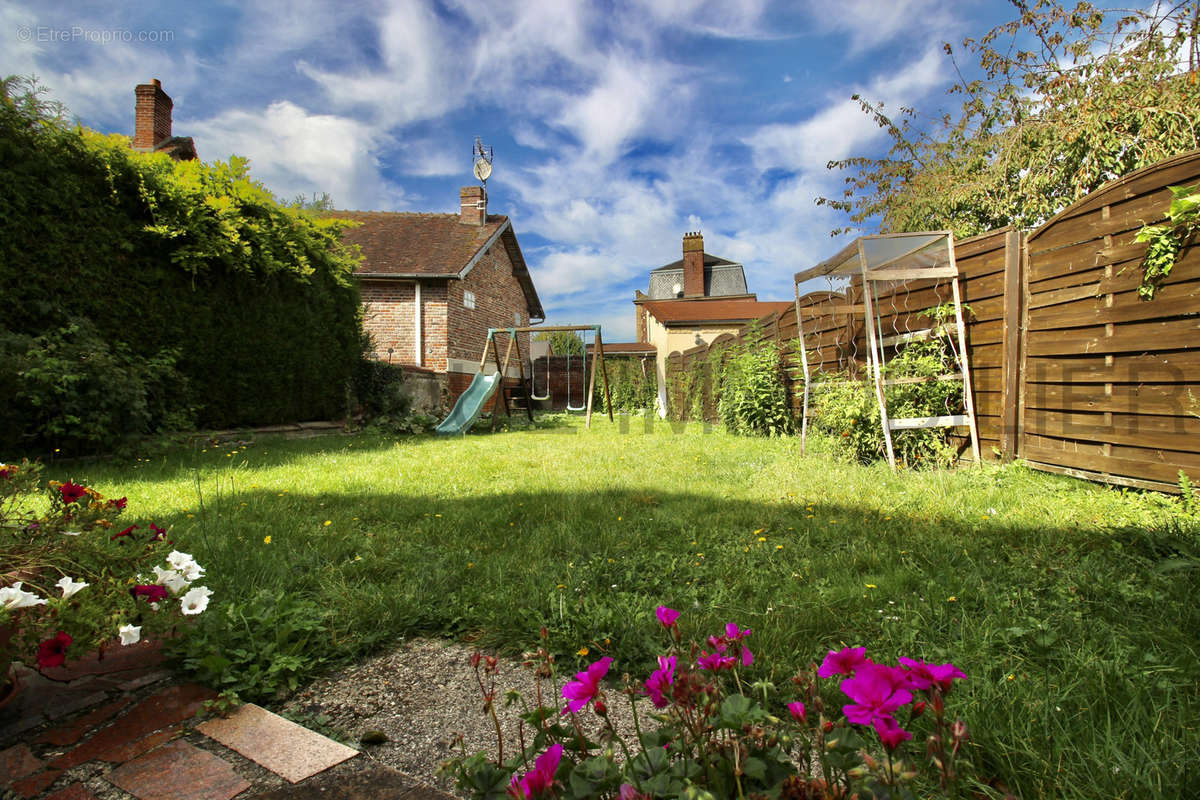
(469, 404)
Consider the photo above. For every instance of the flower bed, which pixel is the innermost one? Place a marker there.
(75, 580)
(719, 737)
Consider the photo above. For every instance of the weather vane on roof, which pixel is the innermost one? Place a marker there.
(483, 160)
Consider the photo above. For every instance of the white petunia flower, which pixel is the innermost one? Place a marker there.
(196, 600)
(130, 634)
(69, 586)
(171, 579)
(185, 565)
(14, 597)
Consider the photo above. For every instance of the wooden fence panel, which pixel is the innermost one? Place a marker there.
(1111, 382)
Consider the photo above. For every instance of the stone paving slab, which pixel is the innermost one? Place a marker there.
(76, 791)
(167, 707)
(72, 733)
(143, 656)
(374, 783)
(36, 784)
(16, 762)
(287, 749)
(179, 771)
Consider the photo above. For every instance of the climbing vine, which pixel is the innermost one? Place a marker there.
(1165, 242)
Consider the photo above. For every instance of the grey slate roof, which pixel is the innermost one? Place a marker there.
(721, 278)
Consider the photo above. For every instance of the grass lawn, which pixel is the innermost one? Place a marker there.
(1066, 603)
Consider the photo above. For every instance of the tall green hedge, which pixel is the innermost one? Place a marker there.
(115, 258)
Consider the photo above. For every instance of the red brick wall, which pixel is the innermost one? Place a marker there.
(388, 317)
(497, 296)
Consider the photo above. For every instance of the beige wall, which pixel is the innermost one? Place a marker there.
(668, 340)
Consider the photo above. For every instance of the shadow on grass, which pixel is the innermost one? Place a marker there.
(1080, 647)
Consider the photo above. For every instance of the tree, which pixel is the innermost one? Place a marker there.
(1067, 99)
(562, 342)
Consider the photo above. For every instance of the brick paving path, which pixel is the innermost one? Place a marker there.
(121, 727)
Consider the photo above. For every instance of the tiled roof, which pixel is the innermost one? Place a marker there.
(395, 243)
(627, 348)
(675, 312)
(415, 245)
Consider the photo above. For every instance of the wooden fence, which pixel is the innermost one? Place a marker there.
(1110, 382)
(1070, 369)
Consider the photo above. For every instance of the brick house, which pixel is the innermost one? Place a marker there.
(432, 285)
(693, 301)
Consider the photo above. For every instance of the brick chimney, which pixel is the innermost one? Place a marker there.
(152, 123)
(693, 265)
(472, 205)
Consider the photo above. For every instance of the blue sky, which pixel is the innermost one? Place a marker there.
(616, 126)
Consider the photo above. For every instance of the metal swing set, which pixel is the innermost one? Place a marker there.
(598, 365)
(890, 261)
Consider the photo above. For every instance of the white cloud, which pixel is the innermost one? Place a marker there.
(842, 128)
(868, 24)
(294, 151)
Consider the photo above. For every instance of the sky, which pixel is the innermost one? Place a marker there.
(616, 126)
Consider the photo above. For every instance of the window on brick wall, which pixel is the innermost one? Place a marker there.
(517, 319)
(468, 299)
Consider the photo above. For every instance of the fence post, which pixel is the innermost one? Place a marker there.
(1010, 349)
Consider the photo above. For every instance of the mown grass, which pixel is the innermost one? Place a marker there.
(1072, 607)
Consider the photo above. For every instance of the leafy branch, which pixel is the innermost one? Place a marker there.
(1165, 243)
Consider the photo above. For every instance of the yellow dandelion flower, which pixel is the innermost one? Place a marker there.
(583, 651)
(437, 515)
(871, 586)
(762, 538)
(1012, 677)
(327, 523)
(620, 518)
(267, 539)
(760, 530)
(951, 599)
(810, 516)
(778, 547)
(561, 586)
(747, 548)
(470, 565)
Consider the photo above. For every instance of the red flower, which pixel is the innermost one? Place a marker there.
(159, 533)
(118, 503)
(71, 492)
(151, 591)
(53, 652)
(125, 532)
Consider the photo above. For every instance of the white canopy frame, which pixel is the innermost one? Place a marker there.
(896, 258)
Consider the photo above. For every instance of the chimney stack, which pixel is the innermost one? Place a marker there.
(693, 265)
(152, 123)
(472, 205)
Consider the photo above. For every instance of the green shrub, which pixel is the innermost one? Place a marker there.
(71, 387)
(632, 384)
(259, 647)
(254, 303)
(846, 407)
(752, 396)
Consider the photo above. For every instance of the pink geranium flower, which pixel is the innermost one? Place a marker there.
(922, 675)
(539, 780)
(843, 662)
(583, 689)
(796, 709)
(877, 691)
(660, 681)
(890, 732)
(715, 661)
(666, 616)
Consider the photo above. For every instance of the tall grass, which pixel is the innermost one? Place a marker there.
(1067, 604)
